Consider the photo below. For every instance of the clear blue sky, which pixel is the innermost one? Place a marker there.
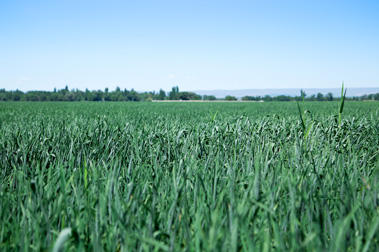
(197, 45)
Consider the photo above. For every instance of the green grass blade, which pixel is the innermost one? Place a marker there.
(61, 240)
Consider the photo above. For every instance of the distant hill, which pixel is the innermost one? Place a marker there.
(290, 92)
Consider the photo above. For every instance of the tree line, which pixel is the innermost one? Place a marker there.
(132, 95)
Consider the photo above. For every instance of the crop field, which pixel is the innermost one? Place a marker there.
(189, 176)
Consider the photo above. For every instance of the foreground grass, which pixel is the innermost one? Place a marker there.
(193, 176)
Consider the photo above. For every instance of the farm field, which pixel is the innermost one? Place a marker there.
(189, 176)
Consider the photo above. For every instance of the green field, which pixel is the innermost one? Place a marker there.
(189, 176)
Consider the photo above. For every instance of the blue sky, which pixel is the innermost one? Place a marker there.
(197, 45)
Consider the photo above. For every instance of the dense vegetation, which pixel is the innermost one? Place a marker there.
(99, 95)
(189, 176)
(132, 95)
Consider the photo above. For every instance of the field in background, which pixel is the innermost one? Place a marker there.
(189, 176)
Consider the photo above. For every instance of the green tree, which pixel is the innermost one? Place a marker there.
(267, 98)
(329, 96)
(248, 98)
(173, 95)
(161, 95)
(209, 97)
(188, 96)
(320, 97)
(230, 98)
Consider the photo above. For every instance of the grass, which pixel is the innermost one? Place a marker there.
(189, 176)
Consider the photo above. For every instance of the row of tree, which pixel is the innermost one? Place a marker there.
(314, 97)
(132, 95)
(100, 95)
(318, 97)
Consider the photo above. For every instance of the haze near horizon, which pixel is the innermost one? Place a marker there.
(196, 45)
